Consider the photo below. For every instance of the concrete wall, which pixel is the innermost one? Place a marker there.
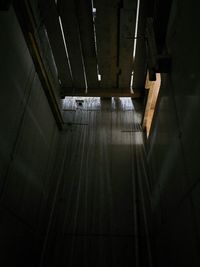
(174, 146)
(28, 149)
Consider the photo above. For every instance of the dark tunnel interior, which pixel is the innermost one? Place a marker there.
(99, 136)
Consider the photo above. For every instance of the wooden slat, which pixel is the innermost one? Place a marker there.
(57, 44)
(140, 63)
(106, 92)
(85, 18)
(127, 31)
(71, 30)
(106, 28)
(153, 87)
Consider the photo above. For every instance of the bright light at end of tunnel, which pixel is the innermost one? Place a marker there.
(65, 45)
(131, 87)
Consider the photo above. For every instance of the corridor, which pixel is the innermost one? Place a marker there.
(98, 219)
(86, 179)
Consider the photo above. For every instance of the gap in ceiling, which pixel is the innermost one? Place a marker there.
(65, 45)
(135, 43)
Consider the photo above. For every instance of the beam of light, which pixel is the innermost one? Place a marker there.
(135, 42)
(94, 11)
(65, 45)
(99, 77)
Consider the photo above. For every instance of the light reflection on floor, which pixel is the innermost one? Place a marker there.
(110, 118)
(95, 103)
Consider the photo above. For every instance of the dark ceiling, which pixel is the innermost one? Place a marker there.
(112, 27)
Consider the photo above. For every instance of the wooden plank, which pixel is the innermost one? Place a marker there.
(153, 87)
(51, 21)
(140, 63)
(68, 15)
(106, 31)
(103, 92)
(127, 31)
(85, 19)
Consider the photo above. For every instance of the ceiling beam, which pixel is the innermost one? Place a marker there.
(86, 28)
(140, 61)
(125, 92)
(51, 20)
(127, 26)
(106, 23)
(67, 11)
